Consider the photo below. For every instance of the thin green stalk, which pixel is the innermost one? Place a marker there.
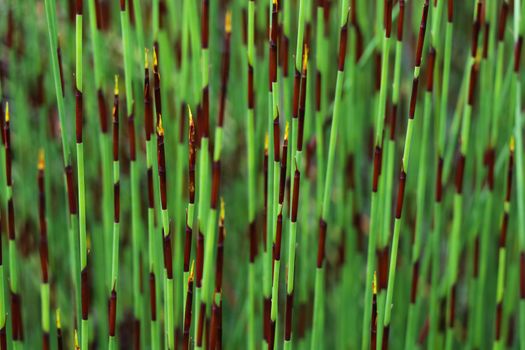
(518, 127)
(378, 144)
(319, 272)
(420, 204)
(152, 236)
(112, 311)
(455, 238)
(84, 336)
(403, 173)
(502, 251)
(44, 286)
(438, 205)
(203, 208)
(250, 140)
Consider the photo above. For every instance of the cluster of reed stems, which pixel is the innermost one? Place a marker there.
(240, 191)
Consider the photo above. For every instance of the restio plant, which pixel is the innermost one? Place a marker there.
(337, 174)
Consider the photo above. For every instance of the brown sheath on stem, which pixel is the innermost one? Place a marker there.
(220, 256)
(400, 20)
(377, 167)
(45, 341)
(400, 194)
(439, 180)
(430, 72)
(200, 324)
(415, 279)
(382, 271)
(115, 115)
(214, 325)
(450, 11)
(276, 138)
(60, 343)
(278, 238)
(413, 97)
(71, 195)
(78, 115)
(288, 316)
(61, 71)
(168, 260)
(162, 165)
(251, 98)
(517, 54)
(112, 312)
(472, 83)
(152, 297)
(386, 334)
(421, 35)
(148, 107)
(342, 46)
(282, 175)
(187, 313)
(16, 316)
(459, 174)
(475, 30)
(200, 259)
(267, 303)
(295, 195)
(322, 241)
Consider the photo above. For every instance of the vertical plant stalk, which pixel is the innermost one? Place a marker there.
(275, 206)
(422, 189)
(56, 63)
(455, 238)
(134, 177)
(297, 145)
(168, 261)
(16, 307)
(403, 174)
(376, 192)
(319, 272)
(215, 341)
(3, 311)
(112, 310)
(388, 179)
(192, 156)
(84, 283)
(320, 92)
(440, 153)
(502, 252)
(482, 242)
(518, 125)
(204, 135)
(95, 26)
(152, 246)
(60, 340)
(250, 141)
(43, 249)
(216, 170)
(187, 310)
